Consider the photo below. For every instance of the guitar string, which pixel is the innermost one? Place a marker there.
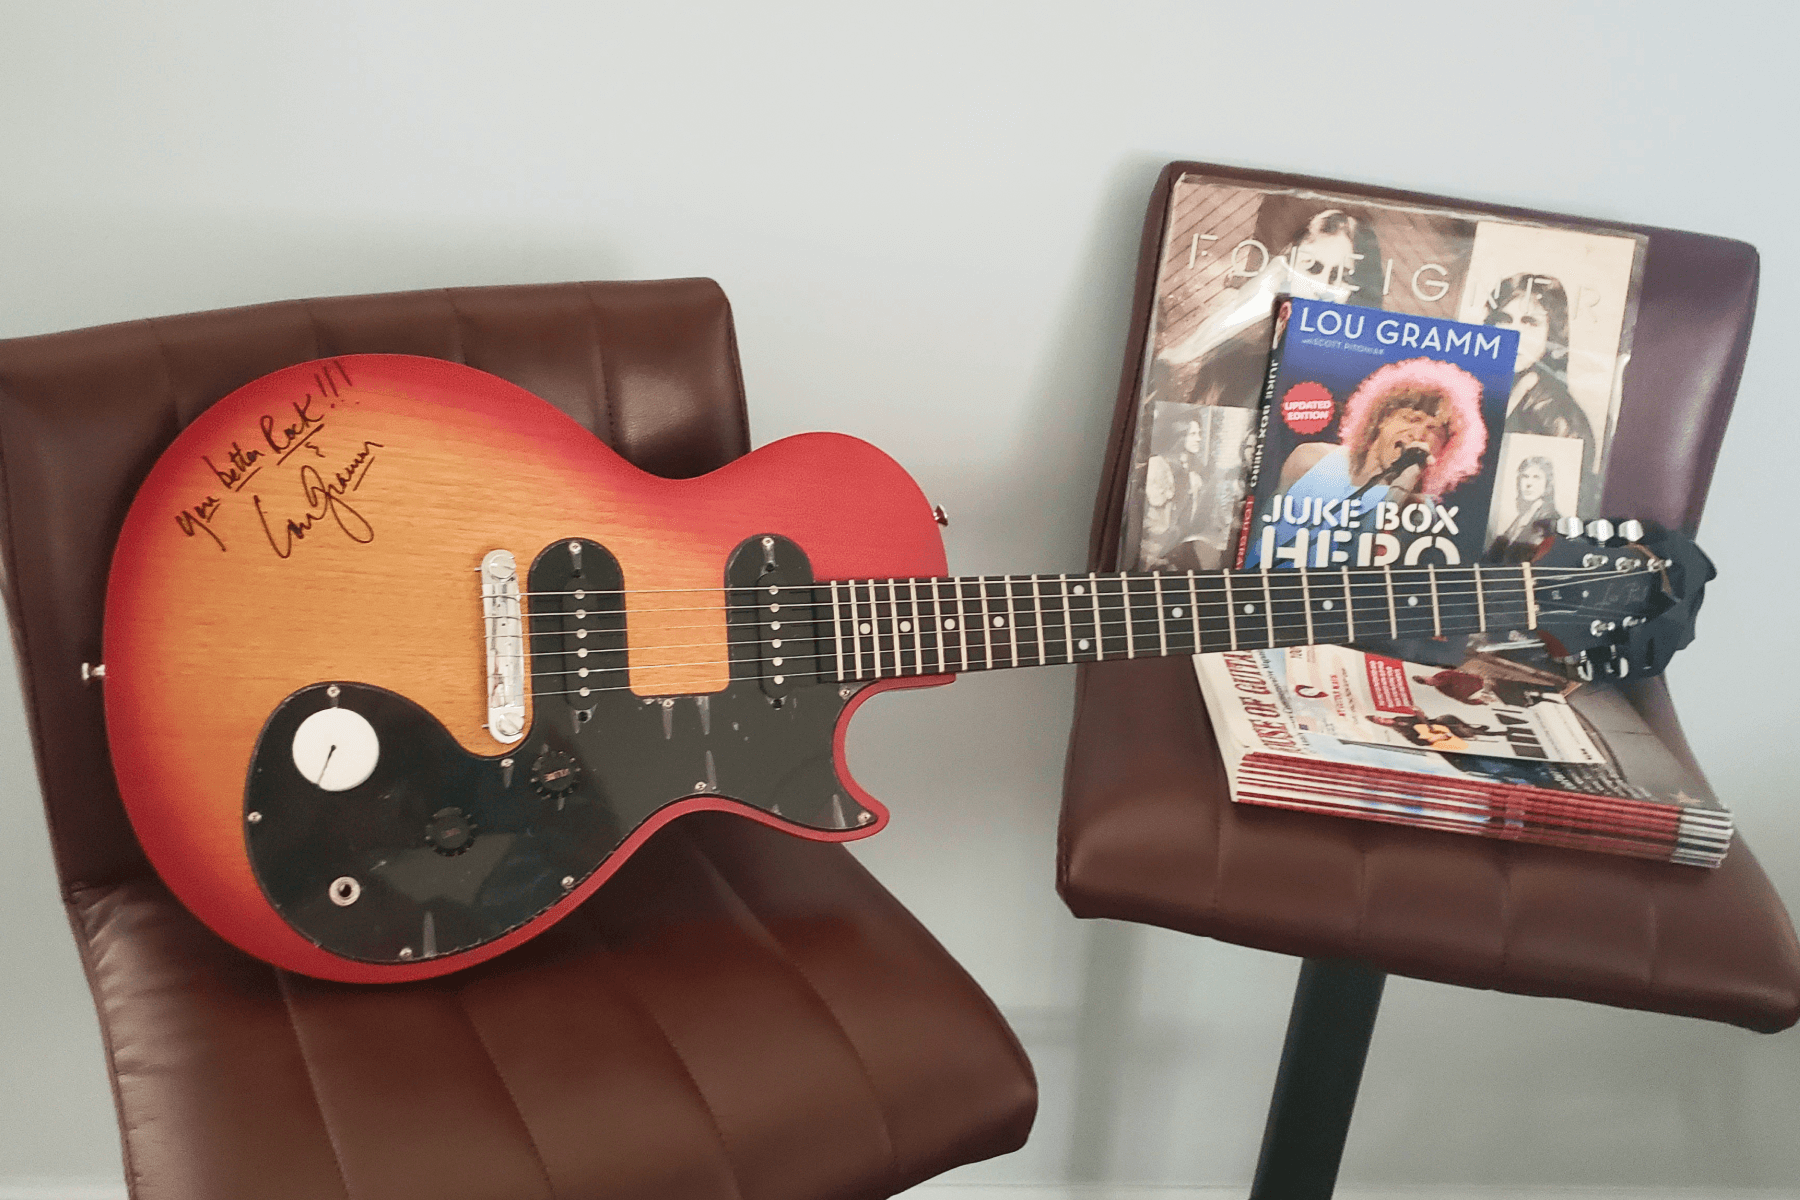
(898, 672)
(1115, 621)
(1285, 626)
(1454, 605)
(1449, 591)
(1113, 616)
(1136, 578)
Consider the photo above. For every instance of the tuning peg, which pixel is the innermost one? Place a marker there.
(1569, 527)
(1632, 530)
(1600, 530)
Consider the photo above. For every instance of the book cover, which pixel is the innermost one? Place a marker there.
(1570, 288)
(1381, 435)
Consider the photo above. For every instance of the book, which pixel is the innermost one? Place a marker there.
(1380, 438)
(1619, 790)
(1229, 248)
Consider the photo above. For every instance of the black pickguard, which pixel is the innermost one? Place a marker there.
(449, 850)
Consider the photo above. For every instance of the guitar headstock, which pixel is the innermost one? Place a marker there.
(1617, 601)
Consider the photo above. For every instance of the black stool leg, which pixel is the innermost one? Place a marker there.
(1328, 1032)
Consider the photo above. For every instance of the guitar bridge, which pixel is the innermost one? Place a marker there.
(503, 625)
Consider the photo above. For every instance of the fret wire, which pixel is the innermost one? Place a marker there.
(937, 625)
(1393, 617)
(987, 637)
(1125, 603)
(837, 630)
(1349, 607)
(962, 626)
(1268, 606)
(979, 603)
(846, 607)
(875, 619)
(1194, 608)
(1037, 619)
(874, 634)
(1306, 600)
(875, 624)
(992, 617)
(1437, 620)
(1012, 616)
(855, 663)
(1094, 597)
(1162, 624)
(912, 590)
(864, 591)
(1068, 621)
(1480, 600)
(866, 642)
(1231, 611)
(894, 629)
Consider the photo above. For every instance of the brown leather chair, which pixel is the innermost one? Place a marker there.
(738, 1013)
(1149, 832)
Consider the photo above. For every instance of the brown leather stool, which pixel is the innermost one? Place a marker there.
(738, 1013)
(1149, 832)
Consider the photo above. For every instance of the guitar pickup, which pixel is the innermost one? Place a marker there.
(503, 626)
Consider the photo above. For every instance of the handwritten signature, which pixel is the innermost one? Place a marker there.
(324, 499)
(284, 435)
(197, 519)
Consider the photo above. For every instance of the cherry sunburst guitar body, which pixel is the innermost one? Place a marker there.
(363, 745)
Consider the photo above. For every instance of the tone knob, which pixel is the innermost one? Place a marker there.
(555, 773)
(450, 831)
(335, 749)
(1600, 530)
(1631, 531)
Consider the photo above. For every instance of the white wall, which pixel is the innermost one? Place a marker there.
(926, 216)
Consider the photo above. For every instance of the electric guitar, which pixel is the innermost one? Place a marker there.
(401, 663)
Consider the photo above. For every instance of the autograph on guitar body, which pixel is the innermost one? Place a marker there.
(402, 663)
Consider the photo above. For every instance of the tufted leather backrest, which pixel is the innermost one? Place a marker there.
(650, 367)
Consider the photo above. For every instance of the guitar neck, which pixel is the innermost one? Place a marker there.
(883, 628)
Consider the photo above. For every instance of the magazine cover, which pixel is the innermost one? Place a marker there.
(1355, 696)
(1380, 438)
(1256, 709)
(1229, 249)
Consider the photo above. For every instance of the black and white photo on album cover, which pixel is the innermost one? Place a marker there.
(1193, 488)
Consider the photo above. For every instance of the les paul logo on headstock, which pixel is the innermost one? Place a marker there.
(324, 486)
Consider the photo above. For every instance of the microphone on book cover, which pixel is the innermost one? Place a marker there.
(1412, 456)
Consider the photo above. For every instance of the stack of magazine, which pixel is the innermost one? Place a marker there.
(1335, 382)
(1489, 747)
